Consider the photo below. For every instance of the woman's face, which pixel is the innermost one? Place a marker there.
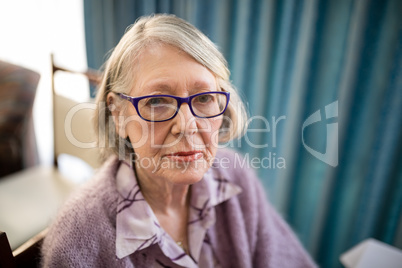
(180, 150)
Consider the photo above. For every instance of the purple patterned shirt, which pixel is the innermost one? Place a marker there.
(138, 230)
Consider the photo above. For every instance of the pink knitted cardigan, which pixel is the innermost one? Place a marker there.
(248, 232)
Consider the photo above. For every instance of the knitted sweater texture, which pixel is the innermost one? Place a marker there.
(248, 232)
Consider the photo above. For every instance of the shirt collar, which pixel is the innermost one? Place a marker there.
(138, 228)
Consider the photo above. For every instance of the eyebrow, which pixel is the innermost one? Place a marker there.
(159, 87)
(203, 85)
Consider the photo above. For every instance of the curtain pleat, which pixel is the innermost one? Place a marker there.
(291, 59)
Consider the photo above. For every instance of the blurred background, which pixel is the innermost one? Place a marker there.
(322, 77)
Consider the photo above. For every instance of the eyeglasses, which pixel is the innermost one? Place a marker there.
(160, 108)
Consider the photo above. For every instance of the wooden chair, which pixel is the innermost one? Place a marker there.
(30, 199)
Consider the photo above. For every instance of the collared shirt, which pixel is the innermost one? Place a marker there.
(138, 231)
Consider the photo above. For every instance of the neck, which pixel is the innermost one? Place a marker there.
(165, 197)
(162, 196)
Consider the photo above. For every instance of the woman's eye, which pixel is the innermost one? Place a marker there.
(204, 98)
(155, 101)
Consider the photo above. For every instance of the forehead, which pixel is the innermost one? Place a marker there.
(166, 69)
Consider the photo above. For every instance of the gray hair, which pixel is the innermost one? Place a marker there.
(117, 76)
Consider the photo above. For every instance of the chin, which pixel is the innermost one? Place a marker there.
(187, 173)
(185, 180)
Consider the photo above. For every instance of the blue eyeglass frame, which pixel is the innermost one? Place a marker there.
(180, 101)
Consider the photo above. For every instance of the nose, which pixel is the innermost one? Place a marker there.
(184, 122)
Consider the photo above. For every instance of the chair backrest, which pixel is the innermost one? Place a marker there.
(17, 139)
(73, 132)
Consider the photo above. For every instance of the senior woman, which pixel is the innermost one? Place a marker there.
(165, 195)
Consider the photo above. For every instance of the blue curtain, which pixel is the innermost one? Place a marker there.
(336, 177)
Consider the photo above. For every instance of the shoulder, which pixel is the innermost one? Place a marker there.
(270, 240)
(98, 194)
(85, 221)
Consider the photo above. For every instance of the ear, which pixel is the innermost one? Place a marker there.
(117, 114)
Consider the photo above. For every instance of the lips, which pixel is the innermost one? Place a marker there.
(188, 156)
